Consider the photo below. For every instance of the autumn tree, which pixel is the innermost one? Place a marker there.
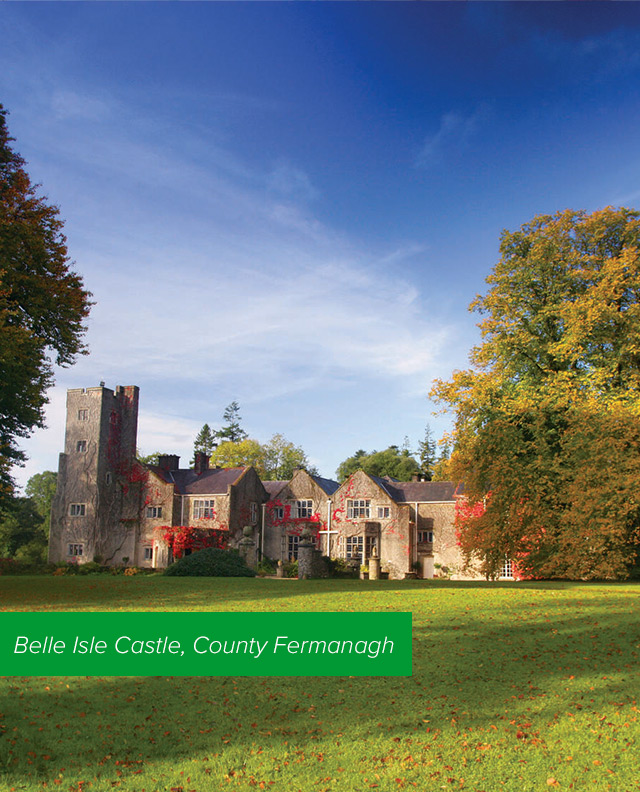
(231, 431)
(43, 306)
(547, 422)
(393, 462)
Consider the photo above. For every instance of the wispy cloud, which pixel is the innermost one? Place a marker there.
(454, 133)
(212, 275)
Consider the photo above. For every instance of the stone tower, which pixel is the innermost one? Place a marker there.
(94, 511)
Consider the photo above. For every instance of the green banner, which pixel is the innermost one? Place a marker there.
(205, 644)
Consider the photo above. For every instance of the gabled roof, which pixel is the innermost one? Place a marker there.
(416, 491)
(274, 487)
(328, 485)
(385, 484)
(215, 481)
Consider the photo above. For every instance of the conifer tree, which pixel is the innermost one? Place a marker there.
(205, 442)
(231, 431)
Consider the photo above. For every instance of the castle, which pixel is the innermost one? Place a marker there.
(112, 508)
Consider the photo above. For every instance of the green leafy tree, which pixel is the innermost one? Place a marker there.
(394, 462)
(21, 533)
(282, 458)
(244, 453)
(43, 306)
(150, 459)
(231, 431)
(547, 422)
(274, 461)
(41, 488)
(205, 442)
(351, 464)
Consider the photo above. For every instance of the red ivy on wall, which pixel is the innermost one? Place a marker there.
(185, 537)
(295, 525)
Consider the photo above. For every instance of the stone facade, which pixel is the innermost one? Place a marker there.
(98, 495)
(111, 508)
(292, 505)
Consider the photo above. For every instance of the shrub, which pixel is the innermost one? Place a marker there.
(266, 567)
(290, 569)
(339, 568)
(211, 562)
(90, 568)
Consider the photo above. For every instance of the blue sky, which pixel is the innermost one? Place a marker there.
(292, 204)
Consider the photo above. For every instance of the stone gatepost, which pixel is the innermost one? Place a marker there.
(305, 554)
(374, 565)
(247, 547)
(280, 569)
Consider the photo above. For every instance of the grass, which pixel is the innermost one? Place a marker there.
(520, 687)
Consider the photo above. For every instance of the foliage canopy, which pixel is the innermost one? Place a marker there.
(548, 420)
(43, 305)
(274, 460)
(394, 462)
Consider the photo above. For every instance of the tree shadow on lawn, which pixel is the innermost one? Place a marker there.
(75, 593)
(485, 669)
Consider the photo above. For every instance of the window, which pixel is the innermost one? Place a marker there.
(76, 550)
(292, 547)
(83, 415)
(108, 478)
(383, 512)
(358, 508)
(78, 509)
(154, 511)
(507, 569)
(302, 508)
(370, 542)
(203, 509)
(254, 513)
(81, 446)
(113, 418)
(278, 513)
(148, 553)
(354, 548)
(425, 536)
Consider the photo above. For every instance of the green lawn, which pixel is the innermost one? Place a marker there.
(520, 687)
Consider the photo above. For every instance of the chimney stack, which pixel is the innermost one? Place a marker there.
(168, 462)
(201, 462)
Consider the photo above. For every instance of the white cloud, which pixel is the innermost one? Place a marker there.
(206, 283)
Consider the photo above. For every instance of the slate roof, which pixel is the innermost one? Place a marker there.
(273, 487)
(424, 491)
(328, 485)
(209, 482)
